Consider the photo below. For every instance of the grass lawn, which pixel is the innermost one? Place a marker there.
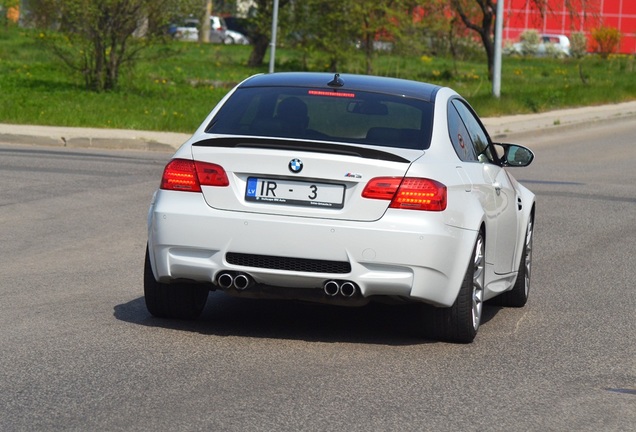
(178, 84)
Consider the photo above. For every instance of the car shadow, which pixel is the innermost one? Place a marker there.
(375, 323)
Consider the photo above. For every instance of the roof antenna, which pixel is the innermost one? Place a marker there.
(336, 82)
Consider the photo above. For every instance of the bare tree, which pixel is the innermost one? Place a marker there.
(98, 37)
(480, 16)
(481, 21)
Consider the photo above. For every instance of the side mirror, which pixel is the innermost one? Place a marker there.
(515, 155)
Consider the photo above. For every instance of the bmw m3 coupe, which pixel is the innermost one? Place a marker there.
(343, 189)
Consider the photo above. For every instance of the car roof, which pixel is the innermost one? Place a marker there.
(376, 84)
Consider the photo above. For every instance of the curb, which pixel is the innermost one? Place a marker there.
(113, 139)
(553, 121)
(86, 142)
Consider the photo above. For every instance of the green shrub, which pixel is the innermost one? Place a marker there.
(530, 40)
(578, 44)
(606, 40)
(551, 50)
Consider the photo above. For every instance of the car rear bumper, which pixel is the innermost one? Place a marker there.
(409, 254)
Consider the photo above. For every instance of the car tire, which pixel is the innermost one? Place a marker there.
(229, 41)
(177, 300)
(460, 322)
(518, 295)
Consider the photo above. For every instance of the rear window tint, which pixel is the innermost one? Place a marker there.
(318, 114)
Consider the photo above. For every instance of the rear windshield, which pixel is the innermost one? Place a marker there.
(326, 115)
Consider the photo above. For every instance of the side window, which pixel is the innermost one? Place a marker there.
(479, 137)
(459, 136)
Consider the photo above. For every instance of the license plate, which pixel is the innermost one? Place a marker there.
(292, 192)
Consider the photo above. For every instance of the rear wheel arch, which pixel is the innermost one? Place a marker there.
(461, 321)
(517, 296)
(177, 300)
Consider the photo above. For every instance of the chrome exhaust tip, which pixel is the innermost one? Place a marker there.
(348, 289)
(242, 282)
(225, 280)
(331, 288)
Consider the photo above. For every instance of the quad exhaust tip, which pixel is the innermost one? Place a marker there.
(331, 288)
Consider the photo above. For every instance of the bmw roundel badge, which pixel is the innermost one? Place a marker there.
(295, 166)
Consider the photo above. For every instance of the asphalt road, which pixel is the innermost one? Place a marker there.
(79, 351)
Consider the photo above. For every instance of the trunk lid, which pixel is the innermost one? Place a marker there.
(300, 178)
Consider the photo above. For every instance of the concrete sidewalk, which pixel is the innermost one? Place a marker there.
(498, 127)
(91, 137)
(554, 120)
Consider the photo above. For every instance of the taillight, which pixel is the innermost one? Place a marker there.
(211, 174)
(408, 193)
(383, 188)
(187, 175)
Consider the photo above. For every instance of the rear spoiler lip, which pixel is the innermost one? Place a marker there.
(300, 145)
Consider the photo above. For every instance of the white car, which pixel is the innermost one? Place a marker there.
(189, 30)
(553, 45)
(233, 37)
(343, 190)
(186, 31)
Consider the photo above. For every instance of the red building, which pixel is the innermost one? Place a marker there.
(521, 15)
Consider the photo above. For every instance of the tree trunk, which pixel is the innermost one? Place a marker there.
(259, 48)
(204, 34)
(484, 28)
(261, 38)
(489, 47)
(368, 54)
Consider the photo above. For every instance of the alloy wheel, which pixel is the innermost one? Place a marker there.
(478, 282)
